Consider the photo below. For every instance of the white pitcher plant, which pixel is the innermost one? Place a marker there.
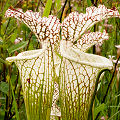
(61, 70)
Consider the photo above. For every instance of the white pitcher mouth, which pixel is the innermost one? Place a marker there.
(27, 55)
(69, 53)
(83, 58)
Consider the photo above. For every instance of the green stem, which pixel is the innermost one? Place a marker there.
(14, 101)
(108, 86)
(63, 10)
(93, 97)
(15, 104)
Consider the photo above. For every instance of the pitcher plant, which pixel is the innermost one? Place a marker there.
(59, 79)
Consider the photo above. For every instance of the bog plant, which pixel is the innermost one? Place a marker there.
(59, 79)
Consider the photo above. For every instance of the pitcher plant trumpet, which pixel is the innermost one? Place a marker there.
(59, 79)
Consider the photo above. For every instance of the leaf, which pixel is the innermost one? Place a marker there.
(98, 109)
(89, 3)
(14, 103)
(2, 98)
(1, 40)
(17, 46)
(2, 113)
(34, 21)
(5, 7)
(2, 61)
(75, 24)
(47, 8)
(13, 36)
(4, 87)
(89, 39)
(58, 4)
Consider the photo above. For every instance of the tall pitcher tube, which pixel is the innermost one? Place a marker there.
(78, 76)
(36, 68)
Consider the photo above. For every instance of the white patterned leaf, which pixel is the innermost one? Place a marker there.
(79, 71)
(44, 28)
(89, 39)
(76, 24)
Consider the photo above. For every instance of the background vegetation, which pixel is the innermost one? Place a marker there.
(11, 98)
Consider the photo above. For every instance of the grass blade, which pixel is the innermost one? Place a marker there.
(89, 3)
(47, 8)
(14, 103)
